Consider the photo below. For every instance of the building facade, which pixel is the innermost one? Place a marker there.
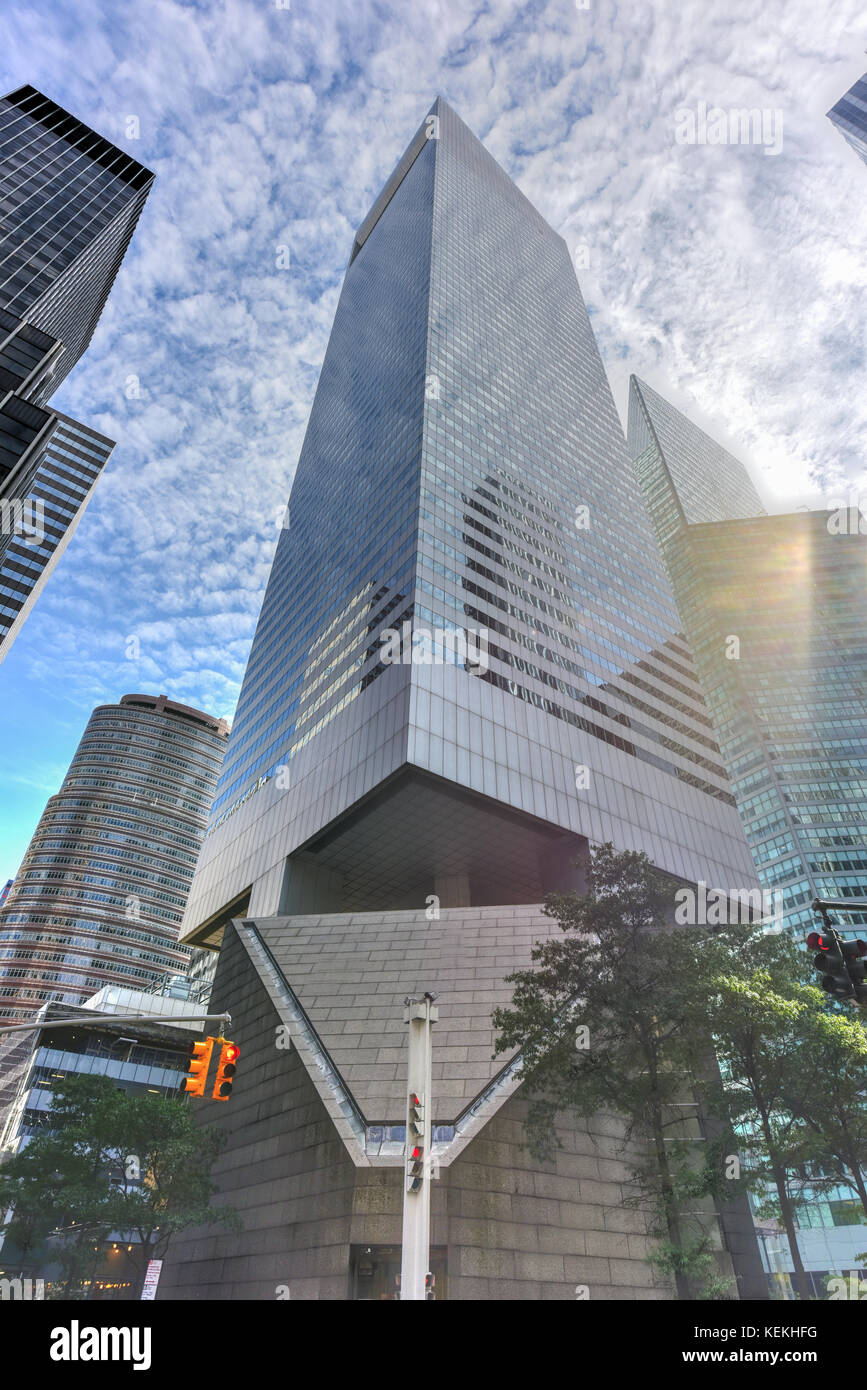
(849, 115)
(467, 667)
(69, 204)
(36, 530)
(100, 893)
(775, 610)
(463, 472)
(71, 201)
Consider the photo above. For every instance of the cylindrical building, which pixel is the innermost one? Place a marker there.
(99, 896)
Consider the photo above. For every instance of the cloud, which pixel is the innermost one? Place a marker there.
(732, 281)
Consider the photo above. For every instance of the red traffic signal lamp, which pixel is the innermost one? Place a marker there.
(841, 963)
(415, 1168)
(415, 1136)
(415, 1117)
(830, 963)
(193, 1084)
(229, 1054)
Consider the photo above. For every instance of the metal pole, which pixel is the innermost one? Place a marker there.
(420, 1014)
(94, 1017)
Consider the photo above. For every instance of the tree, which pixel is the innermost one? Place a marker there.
(793, 1067)
(827, 1089)
(112, 1163)
(755, 1033)
(633, 982)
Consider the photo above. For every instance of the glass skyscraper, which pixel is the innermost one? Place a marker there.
(849, 115)
(463, 472)
(65, 466)
(775, 609)
(99, 895)
(468, 667)
(69, 203)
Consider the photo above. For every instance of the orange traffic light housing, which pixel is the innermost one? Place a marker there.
(194, 1082)
(229, 1054)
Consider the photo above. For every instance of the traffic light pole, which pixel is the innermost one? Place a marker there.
(420, 1014)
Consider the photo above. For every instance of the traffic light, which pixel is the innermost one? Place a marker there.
(193, 1083)
(415, 1168)
(416, 1117)
(415, 1142)
(830, 962)
(855, 956)
(229, 1054)
(429, 1285)
(841, 964)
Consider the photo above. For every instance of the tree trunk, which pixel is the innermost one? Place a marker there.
(669, 1203)
(800, 1280)
(851, 1159)
(860, 1185)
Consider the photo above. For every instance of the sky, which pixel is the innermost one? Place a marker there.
(733, 280)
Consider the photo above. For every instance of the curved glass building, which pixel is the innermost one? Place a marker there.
(99, 896)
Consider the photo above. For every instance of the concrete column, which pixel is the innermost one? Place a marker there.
(309, 888)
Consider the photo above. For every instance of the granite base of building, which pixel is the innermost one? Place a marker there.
(313, 1159)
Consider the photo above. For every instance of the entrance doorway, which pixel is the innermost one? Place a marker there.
(374, 1273)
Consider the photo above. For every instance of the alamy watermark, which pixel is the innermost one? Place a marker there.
(437, 646)
(847, 517)
(737, 126)
(24, 518)
(24, 1290)
(718, 907)
(853, 1288)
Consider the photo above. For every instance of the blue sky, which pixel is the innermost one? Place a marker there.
(731, 280)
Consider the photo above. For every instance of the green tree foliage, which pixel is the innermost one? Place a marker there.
(828, 1091)
(623, 974)
(113, 1164)
(795, 1072)
(755, 1028)
(676, 1013)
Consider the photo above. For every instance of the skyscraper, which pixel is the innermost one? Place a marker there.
(463, 468)
(467, 667)
(39, 519)
(849, 115)
(775, 609)
(69, 203)
(99, 895)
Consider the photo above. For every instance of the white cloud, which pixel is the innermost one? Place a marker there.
(733, 281)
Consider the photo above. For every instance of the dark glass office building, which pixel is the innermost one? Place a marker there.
(69, 203)
(849, 115)
(65, 465)
(100, 893)
(775, 608)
